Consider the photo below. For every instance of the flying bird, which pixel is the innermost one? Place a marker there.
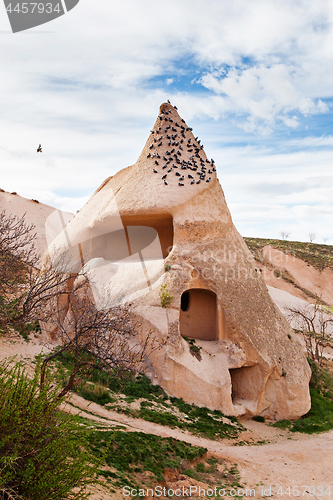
(39, 149)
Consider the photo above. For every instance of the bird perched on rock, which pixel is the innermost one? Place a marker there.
(155, 171)
(39, 149)
(165, 182)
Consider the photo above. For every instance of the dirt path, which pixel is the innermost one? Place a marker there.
(288, 459)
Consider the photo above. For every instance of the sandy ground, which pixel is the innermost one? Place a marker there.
(14, 346)
(285, 460)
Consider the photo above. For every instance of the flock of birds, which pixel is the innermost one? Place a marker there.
(171, 162)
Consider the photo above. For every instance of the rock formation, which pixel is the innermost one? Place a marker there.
(164, 221)
(36, 213)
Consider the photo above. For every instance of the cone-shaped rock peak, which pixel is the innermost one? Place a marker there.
(172, 168)
(173, 155)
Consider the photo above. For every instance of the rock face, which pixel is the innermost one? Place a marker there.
(164, 221)
(36, 213)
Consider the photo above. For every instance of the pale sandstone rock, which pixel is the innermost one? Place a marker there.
(35, 213)
(247, 364)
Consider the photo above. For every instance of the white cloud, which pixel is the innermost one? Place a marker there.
(265, 94)
(90, 92)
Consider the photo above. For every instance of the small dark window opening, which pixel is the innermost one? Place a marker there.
(185, 301)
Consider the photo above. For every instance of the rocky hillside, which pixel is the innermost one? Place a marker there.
(304, 270)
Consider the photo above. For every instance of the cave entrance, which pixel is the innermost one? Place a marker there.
(246, 383)
(162, 223)
(147, 237)
(198, 314)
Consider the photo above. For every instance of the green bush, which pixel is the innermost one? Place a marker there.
(101, 397)
(41, 448)
(258, 418)
(165, 296)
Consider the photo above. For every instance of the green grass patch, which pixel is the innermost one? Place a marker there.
(283, 424)
(104, 389)
(136, 452)
(128, 456)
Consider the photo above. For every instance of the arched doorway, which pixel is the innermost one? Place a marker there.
(198, 316)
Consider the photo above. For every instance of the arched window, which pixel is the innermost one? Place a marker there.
(198, 318)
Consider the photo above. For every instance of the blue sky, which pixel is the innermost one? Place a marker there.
(254, 80)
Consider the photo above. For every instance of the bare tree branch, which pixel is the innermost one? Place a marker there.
(313, 322)
(285, 234)
(312, 236)
(61, 300)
